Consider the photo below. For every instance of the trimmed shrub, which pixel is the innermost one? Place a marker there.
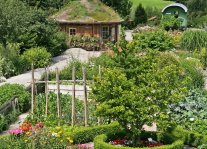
(194, 39)
(39, 57)
(152, 40)
(99, 143)
(82, 135)
(189, 137)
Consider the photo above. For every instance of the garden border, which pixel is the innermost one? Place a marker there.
(99, 143)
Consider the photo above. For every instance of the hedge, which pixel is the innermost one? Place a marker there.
(99, 143)
(189, 137)
(83, 135)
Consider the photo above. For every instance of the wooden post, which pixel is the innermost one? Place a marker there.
(58, 95)
(99, 72)
(73, 97)
(33, 93)
(85, 98)
(46, 92)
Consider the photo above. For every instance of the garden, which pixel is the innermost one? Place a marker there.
(158, 78)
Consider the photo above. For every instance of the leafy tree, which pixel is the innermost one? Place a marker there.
(138, 89)
(140, 15)
(29, 27)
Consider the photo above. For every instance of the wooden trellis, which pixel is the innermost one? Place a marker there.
(58, 82)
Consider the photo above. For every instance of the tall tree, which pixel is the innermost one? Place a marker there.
(140, 15)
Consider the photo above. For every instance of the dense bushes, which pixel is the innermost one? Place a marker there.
(39, 57)
(99, 143)
(154, 40)
(194, 39)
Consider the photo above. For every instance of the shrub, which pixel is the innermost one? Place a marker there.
(8, 91)
(84, 135)
(194, 39)
(189, 137)
(39, 57)
(170, 22)
(153, 40)
(99, 143)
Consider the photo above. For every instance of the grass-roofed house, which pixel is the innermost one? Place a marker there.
(91, 18)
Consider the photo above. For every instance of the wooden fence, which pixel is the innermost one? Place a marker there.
(12, 104)
(84, 81)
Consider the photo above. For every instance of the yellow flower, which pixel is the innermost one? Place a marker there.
(61, 140)
(58, 127)
(70, 140)
(25, 140)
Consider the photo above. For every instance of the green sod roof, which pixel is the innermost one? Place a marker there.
(87, 11)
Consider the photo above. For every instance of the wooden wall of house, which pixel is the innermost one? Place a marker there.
(90, 29)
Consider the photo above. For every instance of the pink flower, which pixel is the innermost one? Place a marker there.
(16, 131)
(85, 146)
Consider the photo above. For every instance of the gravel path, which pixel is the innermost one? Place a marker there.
(59, 62)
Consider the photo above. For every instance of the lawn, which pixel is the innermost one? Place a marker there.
(160, 4)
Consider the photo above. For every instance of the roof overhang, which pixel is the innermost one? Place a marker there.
(176, 5)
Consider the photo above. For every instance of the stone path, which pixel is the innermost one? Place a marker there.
(59, 62)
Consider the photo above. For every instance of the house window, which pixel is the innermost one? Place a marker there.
(72, 31)
(105, 32)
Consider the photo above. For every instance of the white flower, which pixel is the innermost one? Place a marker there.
(192, 119)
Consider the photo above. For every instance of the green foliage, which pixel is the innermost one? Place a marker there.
(51, 119)
(86, 42)
(100, 143)
(170, 22)
(83, 135)
(9, 59)
(191, 66)
(29, 27)
(140, 15)
(8, 91)
(44, 139)
(39, 57)
(154, 40)
(194, 40)
(129, 91)
(46, 4)
(6, 120)
(189, 137)
(203, 57)
(123, 7)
